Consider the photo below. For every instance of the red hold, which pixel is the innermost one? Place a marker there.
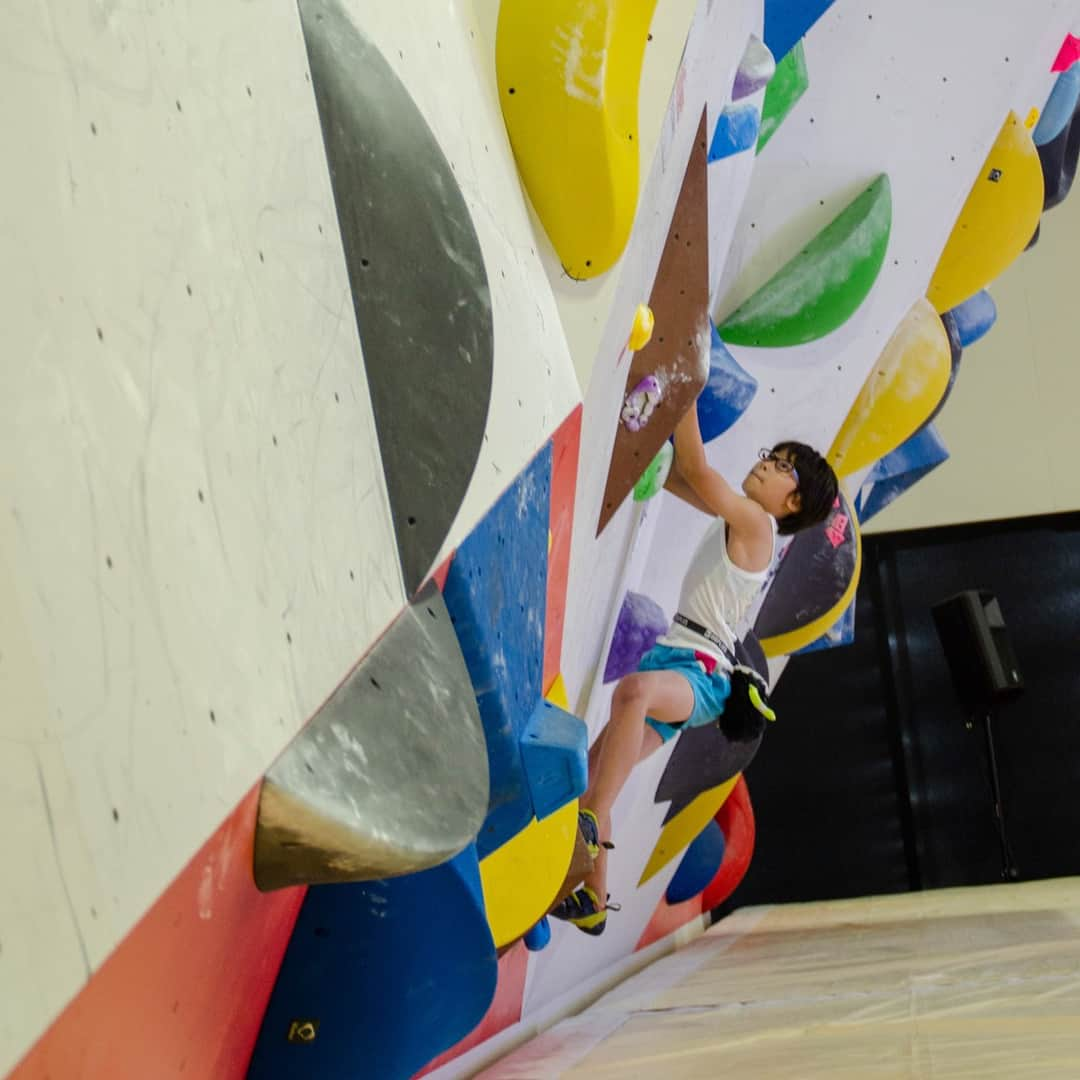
(1068, 54)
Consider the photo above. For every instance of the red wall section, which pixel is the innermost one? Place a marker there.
(185, 992)
(667, 918)
(564, 466)
(736, 821)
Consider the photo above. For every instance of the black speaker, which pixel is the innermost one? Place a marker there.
(977, 647)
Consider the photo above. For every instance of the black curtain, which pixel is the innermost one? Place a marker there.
(871, 781)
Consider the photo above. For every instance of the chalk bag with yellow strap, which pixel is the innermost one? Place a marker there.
(747, 709)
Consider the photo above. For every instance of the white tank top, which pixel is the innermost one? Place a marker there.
(717, 594)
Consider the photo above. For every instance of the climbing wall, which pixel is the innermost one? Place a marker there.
(837, 136)
(319, 491)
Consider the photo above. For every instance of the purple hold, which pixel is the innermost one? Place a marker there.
(641, 621)
(756, 68)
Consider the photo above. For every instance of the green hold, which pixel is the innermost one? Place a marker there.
(655, 476)
(788, 84)
(823, 286)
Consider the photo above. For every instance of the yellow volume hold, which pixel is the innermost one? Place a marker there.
(902, 390)
(997, 221)
(569, 73)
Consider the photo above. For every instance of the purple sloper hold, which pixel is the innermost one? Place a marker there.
(755, 69)
(641, 621)
(640, 403)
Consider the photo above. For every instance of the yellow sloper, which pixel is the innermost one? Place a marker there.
(997, 221)
(902, 390)
(522, 878)
(681, 831)
(786, 644)
(569, 74)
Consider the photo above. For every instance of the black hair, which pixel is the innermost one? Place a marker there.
(818, 487)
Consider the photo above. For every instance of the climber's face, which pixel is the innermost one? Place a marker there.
(773, 483)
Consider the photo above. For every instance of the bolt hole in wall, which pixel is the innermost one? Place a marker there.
(901, 785)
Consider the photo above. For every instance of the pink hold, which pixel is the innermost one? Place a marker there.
(641, 403)
(1068, 54)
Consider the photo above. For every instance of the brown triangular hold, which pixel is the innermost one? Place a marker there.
(678, 354)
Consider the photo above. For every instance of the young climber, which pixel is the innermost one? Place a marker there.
(686, 678)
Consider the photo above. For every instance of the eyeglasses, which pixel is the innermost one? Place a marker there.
(782, 464)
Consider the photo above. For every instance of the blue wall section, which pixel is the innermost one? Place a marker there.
(496, 594)
(788, 20)
(393, 972)
(726, 395)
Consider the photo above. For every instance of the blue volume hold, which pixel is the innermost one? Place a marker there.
(902, 469)
(539, 936)
(389, 974)
(699, 864)
(736, 130)
(974, 317)
(726, 395)
(1059, 107)
(554, 752)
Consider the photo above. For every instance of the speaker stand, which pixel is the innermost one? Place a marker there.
(1009, 870)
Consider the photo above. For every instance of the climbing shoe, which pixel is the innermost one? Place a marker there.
(590, 832)
(583, 908)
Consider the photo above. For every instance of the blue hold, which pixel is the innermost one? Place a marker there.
(554, 751)
(736, 130)
(699, 864)
(924, 449)
(496, 593)
(539, 936)
(393, 973)
(786, 21)
(901, 470)
(726, 395)
(842, 632)
(974, 317)
(1059, 108)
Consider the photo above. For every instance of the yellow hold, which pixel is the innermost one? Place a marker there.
(569, 72)
(1032, 118)
(997, 221)
(641, 331)
(522, 878)
(901, 391)
(681, 831)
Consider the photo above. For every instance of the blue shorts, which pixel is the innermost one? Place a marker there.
(710, 691)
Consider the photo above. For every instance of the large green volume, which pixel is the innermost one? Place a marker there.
(823, 286)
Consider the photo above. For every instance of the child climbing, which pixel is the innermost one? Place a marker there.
(686, 678)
